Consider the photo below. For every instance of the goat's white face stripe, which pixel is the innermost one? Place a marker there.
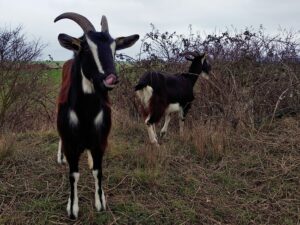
(113, 48)
(94, 50)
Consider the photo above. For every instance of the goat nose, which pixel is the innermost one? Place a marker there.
(111, 79)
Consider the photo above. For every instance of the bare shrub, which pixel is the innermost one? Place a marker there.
(24, 92)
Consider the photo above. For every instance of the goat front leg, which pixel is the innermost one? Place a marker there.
(151, 131)
(72, 207)
(166, 124)
(100, 201)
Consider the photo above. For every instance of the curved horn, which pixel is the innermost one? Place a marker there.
(187, 53)
(83, 22)
(104, 24)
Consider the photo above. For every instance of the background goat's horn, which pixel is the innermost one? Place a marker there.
(83, 22)
(104, 24)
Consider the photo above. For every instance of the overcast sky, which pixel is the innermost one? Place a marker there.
(126, 17)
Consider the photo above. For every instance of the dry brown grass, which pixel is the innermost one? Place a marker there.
(212, 175)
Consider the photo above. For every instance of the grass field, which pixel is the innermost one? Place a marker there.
(212, 175)
(176, 184)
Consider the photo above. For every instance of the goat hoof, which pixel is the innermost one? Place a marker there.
(72, 217)
(155, 144)
(61, 161)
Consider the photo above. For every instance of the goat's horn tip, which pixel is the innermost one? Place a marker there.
(56, 19)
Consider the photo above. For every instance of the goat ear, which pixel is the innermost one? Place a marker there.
(69, 42)
(126, 42)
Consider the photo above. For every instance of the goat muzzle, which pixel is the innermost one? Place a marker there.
(110, 81)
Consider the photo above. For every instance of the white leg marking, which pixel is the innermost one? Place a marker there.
(87, 86)
(99, 119)
(98, 204)
(59, 153)
(152, 135)
(90, 159)
(75, 202)
(166, 124)
(144, 95)
(94, 50)
(73, 118)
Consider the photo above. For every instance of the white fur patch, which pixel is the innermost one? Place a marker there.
(204, 75)
(94, 50)
(99, 119)
(174, 107)
(87, 86)
(90, 159)
(75, 202)
(144, 95)
(73, 118)
(98, 204)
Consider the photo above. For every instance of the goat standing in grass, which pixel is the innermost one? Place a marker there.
(161, 94)
(84, 114)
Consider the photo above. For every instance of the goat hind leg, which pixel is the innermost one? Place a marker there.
(72, 207)
(61, 159)
(181, 121)
(166, 124)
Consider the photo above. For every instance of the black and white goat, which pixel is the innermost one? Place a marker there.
(84, 114)
(161, 94)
